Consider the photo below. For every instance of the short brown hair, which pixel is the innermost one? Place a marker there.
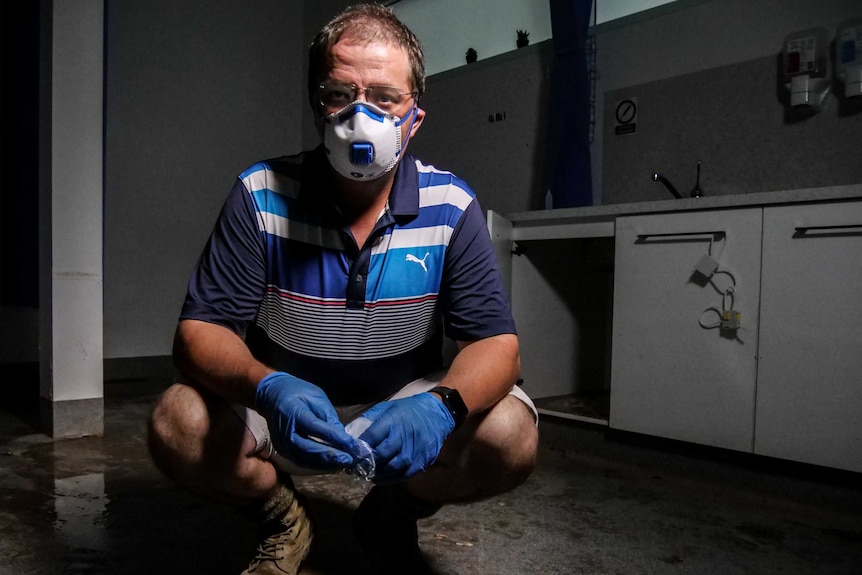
(366, 22)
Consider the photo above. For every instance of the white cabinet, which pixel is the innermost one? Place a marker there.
(672, 375)
(559, 276)
(786, 384)
(809, 387)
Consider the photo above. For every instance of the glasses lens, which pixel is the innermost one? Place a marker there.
(385, 97)
(335, 95)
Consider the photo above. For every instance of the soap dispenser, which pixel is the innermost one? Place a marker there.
(804, 68)
(848, 57)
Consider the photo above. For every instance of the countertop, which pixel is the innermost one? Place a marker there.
(609, 212)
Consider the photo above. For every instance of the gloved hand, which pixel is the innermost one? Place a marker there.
(303, 423)
(407, 435)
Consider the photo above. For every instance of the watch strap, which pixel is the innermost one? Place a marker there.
(453, 403)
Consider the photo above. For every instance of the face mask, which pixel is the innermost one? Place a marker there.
(362, 141)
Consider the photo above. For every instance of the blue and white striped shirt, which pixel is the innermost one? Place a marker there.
(282, 269)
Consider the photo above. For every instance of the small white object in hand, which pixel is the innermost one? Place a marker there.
(363, 457)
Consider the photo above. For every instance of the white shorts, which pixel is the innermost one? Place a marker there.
(256, 423)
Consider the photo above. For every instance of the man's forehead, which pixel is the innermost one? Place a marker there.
(355, 41)
(387, 56)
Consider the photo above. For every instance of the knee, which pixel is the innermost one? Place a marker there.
(178, 420)
(511, 437)
(524, 438)
(180, 408)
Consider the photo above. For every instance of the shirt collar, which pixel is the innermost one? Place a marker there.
(403, 198)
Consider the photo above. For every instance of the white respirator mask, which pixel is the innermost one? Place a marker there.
(362, 141)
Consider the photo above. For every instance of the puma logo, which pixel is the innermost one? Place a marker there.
(412, 258)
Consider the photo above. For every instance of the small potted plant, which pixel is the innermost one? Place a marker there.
(523, 38)
(471, 55)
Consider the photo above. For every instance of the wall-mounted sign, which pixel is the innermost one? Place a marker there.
(626, 115)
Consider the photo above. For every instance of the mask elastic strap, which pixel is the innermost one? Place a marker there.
(413, 115)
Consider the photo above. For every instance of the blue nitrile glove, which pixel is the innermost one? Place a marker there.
(407, 435)
(297, 411)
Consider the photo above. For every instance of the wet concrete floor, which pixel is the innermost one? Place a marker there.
(599, 503)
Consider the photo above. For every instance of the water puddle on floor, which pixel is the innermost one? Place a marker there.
(80, 507)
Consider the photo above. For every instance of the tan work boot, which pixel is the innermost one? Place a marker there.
(283, 549)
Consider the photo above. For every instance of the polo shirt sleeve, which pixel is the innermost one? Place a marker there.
(475, 302)
(229, 280)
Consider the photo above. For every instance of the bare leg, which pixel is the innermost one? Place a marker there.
(488, 456)
(197, 440)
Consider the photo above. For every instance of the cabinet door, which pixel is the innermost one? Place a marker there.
(671, 376)
(809, 390)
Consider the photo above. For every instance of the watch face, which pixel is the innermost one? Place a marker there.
(453, 402)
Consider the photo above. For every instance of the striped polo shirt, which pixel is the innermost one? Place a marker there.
(282, 269)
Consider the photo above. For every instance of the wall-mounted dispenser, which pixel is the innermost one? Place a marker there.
(805, 71)
(848, 57)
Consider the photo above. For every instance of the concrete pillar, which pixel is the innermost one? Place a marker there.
(70, 218)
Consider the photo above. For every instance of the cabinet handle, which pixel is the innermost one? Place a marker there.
(711, 236)
(820, 231)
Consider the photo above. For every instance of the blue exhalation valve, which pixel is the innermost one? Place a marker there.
(361, 153)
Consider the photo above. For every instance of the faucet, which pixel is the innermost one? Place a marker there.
(696, 192)
(656, 177)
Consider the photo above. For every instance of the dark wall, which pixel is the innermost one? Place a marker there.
(19, 153)
(502, 160)
(705, 76)
(734, 120)
(195, 92)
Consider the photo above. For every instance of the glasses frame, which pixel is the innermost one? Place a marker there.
(356, 90)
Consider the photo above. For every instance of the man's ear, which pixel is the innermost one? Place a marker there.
(417, 121)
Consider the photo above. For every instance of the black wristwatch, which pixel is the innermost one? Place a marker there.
(453, 402)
